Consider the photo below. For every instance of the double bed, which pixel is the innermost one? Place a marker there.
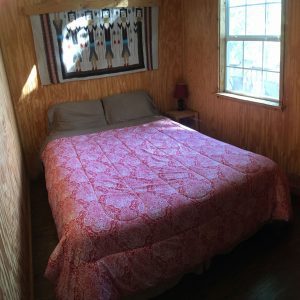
(140, 200)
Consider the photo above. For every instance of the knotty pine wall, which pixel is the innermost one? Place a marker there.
(273, 133)
(189, 51)
(31, 100)
(15, 262)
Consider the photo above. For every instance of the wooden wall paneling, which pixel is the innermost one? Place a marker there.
(15, 241)
(273, 133)
(19, 57)
(291, 123)
(57, 6)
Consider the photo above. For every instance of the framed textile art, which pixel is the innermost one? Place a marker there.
(87, 44)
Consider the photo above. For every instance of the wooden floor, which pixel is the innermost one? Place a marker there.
(266, 267)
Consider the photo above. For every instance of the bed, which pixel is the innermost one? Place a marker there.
(138, 200)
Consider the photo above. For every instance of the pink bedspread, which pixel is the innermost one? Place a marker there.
(139, 205)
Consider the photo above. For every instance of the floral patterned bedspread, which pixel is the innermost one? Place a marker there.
(137, 206)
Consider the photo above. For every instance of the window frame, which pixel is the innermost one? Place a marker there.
(222, 45)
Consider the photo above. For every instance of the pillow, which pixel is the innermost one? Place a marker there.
(128, 106)
(76, 115)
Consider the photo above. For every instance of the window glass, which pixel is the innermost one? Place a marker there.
(237, 21)
(253, 55)
(273, 19)
(255, 20)
(235, 52)
(253, 48)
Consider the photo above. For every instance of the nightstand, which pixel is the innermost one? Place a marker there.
(185, 117)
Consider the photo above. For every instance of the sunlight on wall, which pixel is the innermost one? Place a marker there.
(72, 52)
(75, 45)
(122, 3)
(31, 83)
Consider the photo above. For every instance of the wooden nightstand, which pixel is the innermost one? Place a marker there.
(185, 117)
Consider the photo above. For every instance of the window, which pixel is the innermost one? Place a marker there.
(251, 48)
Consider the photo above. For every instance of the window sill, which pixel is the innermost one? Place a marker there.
(254, 101)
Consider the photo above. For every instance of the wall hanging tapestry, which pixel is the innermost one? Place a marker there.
(86, 44)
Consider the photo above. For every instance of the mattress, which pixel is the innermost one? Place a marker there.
(137, 206)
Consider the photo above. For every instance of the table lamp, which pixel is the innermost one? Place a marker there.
(181, 92)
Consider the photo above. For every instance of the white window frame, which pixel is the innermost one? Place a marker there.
(224, 38)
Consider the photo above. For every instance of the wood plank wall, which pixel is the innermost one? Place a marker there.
(31, 102)
(15, 249)
(273, 133)
(192, 56)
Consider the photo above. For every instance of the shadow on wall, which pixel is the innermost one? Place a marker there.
(15, 249)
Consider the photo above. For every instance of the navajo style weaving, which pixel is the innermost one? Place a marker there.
(86, 44)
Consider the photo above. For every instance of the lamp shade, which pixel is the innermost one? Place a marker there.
(181, 90)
